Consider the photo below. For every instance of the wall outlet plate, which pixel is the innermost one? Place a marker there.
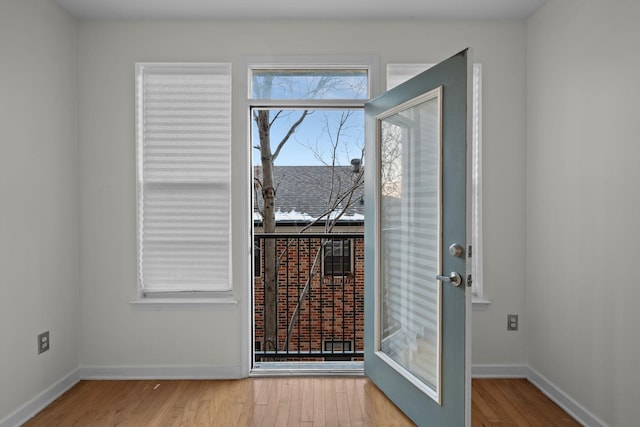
(43, 342)
(512, 322)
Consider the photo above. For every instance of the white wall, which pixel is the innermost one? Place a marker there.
(583, 202)
(39, 273)
(113, 333)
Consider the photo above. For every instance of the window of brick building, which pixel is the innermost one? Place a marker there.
(337, 258)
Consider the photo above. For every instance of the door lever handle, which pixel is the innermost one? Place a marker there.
(453, 278)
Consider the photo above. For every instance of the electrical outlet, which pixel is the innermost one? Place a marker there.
(43, 342)
(512, 322)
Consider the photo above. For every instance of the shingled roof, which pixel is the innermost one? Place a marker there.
(302, 193)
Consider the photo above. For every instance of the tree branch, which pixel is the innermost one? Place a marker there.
(288, 135)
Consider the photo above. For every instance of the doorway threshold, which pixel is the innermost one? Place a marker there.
(277, 369)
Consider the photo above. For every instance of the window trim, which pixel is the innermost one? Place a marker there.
(244, 106)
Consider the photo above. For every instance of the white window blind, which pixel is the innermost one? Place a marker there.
(399, 73)
(183, 119)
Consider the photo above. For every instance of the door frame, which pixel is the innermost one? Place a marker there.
(242, 128)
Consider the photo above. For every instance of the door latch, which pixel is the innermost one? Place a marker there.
(453, 278)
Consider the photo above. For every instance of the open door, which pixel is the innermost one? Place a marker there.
(417, 302)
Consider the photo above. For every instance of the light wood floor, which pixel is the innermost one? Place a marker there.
(291, 401)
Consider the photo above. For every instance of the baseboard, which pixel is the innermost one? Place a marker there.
(573, 408)
(38, 403)
(160, 372)
(499, 371)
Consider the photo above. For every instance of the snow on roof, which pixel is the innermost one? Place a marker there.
(294, 216)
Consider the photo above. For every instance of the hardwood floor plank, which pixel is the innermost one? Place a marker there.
(173, 390)
(190, 408)
(97, 404)
(240, 390)
(252, 415)
(369, 403)
(307, 404)
(263, 393)
(362, 401)
(203, 417)
(319, 401)
(171, 418)
(340, 385)
(272, 403)
(355, 412)
(319, 407)
(296, 406)
(519, 404)
(482, 410)
(342, 405)
(126, 410)
(330, 403)
(284, 404)
(385, 413)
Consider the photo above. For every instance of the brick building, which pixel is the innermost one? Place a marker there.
(319, 317)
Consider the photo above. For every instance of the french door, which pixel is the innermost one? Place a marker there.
(417, 299)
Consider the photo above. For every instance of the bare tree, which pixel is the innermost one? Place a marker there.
(267, 188)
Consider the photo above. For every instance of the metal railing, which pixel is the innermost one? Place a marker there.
(314, 284)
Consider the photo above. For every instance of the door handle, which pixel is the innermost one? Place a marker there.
(453, 278)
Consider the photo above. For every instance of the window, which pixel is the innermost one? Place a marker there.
(337, 258)
(399, 73)
(337, 346)
(304, 83)
(183, 138)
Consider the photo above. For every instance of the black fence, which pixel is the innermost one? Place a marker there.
(317, 287)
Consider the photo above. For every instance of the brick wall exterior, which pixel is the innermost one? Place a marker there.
(333, 309)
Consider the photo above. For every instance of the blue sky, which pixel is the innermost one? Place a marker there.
(311, 144)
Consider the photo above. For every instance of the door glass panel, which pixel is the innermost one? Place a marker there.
(410, 216)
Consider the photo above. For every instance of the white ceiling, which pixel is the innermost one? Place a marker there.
(261, 9)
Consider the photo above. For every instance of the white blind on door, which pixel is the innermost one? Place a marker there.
(183, 153)
(410, 239)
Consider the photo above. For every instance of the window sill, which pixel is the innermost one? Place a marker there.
(480, 304)
(183, 303)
